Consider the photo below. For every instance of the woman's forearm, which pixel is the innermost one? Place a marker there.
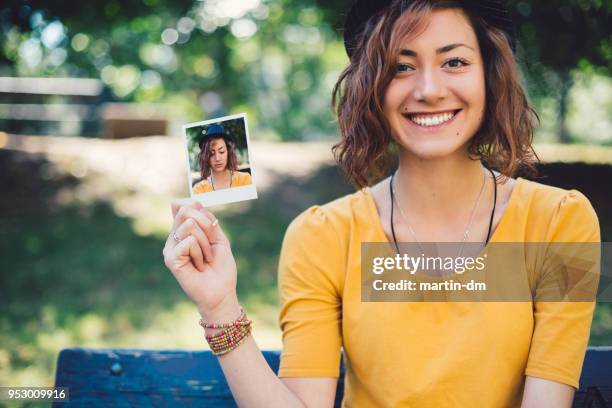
(250, 378)
(545, 393)
(252, 381)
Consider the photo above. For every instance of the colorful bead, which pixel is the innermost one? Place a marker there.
(238, 321)
(232, 335)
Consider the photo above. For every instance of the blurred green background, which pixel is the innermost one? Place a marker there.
(83, 219)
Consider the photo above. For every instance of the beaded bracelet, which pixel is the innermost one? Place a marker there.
(228, 341)
(225, 344)
(231, 336)
(238, 321)
(229, 330)
(220, 352)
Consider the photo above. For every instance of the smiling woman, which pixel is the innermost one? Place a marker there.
(435, 83)
(438, 90)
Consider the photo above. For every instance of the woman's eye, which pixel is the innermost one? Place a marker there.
(403, 68)
(456, 63)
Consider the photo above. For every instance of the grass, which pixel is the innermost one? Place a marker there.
(77, 273)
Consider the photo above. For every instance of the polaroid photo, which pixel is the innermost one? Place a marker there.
(218, 160)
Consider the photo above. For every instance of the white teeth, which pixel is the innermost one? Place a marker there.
(429, 120)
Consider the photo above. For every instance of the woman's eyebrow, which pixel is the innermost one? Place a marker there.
(441, 50)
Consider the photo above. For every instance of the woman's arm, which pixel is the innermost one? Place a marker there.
(562, 326)
(545, 393)
(254, 384)
(201, 260)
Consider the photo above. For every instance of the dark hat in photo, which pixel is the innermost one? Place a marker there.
(214, 130)
(493, 12)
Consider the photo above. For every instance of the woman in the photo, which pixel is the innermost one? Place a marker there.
(438, 81)
(218, 163)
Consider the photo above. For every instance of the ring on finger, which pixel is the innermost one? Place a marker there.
(176, 239)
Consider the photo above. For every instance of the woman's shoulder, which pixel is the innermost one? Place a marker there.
(548, 198)
(336, 215)
(560, 211)
(322, 233)
(242, 177)
(202, 186)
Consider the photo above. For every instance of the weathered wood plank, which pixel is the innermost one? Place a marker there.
(176, 378)
(167, 378)
(596, 379)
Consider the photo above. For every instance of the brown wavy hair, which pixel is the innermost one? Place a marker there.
(232, 159)
(504, 139)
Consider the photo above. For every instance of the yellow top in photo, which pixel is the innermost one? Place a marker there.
(239, 178)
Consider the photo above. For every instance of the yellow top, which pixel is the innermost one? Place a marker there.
(239, 178)
(427, 354)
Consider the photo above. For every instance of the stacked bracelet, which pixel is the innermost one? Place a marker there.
(228, 340)
(224, 325)
(232, 335)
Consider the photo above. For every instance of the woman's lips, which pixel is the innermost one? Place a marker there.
(432, 121)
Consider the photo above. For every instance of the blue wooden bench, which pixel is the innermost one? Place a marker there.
(175, 378)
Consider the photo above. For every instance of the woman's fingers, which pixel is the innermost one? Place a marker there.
(203, 225)
(195, 253)
(182, 202)
(204, 222)
(191, 227)
(187, 250)
(216, 232)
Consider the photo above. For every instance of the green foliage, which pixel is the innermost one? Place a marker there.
(277, 58)
(78, 274)
(561, 33)
(211, 55)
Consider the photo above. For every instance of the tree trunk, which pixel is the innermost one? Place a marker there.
(566, 84)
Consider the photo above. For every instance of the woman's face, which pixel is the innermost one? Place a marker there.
(435, 103)
(218, 155)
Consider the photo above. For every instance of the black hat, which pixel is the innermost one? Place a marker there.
(493, 12)
(214, 130)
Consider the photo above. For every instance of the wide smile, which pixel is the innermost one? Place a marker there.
(431, 121)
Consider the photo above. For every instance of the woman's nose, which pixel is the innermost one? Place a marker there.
(430, 87)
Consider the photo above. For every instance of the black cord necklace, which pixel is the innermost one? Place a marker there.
(490, 220)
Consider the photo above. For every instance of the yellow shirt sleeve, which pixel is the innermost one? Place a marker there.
(241, 178)
(561, 329)
(202, 187)
(310, 318)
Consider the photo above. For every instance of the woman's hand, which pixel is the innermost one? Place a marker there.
(201, 260)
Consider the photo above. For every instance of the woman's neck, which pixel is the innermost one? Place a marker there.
(221, 179)
(439, 190)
